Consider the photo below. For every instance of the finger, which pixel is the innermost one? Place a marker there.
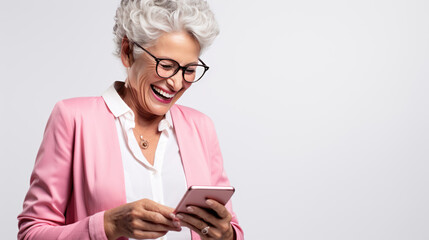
(204, 214)
(213, 233)
(159, 208)
(148, 226)
(222, 225)
(219, 208)
(197, 225)
(193, 220)
(157, 218)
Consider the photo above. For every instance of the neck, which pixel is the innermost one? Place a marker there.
(143, 119)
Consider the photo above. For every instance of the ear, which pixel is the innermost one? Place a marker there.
(126, 52)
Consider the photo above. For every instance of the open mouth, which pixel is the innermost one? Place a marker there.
(160, 93)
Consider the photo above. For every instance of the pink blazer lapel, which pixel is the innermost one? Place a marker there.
(191, 147)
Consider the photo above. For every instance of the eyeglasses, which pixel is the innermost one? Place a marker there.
(166, 68)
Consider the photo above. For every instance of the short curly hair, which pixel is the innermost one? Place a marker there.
(144, 21)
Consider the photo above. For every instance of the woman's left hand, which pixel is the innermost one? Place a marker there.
(207, 224)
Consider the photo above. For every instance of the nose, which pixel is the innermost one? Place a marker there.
(176, 82)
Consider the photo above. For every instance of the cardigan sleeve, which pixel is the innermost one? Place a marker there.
(46, 202)
(219, 177)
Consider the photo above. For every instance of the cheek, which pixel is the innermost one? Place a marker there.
(141, 72)
(139, 84)
(186, 85)
(144, 88)
(143, 80)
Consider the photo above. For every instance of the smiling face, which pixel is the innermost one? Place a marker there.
(149, 94)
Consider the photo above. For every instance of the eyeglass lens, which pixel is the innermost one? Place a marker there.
(167, 68)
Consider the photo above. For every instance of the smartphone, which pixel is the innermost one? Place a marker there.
(197, 196)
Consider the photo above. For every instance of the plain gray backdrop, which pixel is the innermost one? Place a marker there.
(321, 107)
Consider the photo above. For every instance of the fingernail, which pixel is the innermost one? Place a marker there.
(175, 223)
(172, 215)
(190, 209)
(179, 216)
(209, 202)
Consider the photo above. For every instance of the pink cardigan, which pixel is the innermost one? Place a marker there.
(78, 172)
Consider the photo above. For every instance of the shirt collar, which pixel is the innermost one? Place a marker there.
(114, 102)
(166, 122)
(118, 107)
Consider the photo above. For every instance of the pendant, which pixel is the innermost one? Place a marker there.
(143, 143)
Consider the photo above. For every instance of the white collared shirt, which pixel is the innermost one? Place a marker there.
(165, 181)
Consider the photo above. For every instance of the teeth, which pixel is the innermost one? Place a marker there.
(164, 94)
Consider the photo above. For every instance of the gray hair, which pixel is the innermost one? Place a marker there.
(144, 21)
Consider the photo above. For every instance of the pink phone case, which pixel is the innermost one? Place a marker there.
(197, 196)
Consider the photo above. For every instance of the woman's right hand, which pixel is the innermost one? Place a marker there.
(141, 219)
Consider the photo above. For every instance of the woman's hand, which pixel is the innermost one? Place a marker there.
(141, 220)
(209, 225)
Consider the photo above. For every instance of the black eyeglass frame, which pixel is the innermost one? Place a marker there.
(183, 68)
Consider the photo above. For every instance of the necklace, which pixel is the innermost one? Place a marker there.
(144, 144)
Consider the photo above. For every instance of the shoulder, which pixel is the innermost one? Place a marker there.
(81, 103)
(189, 115)
(81, 106)
(81, 109)
(187, 110)
(190, 122)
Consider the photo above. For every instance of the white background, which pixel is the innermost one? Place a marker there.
(321, 107)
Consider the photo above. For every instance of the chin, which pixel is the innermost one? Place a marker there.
(161, 110)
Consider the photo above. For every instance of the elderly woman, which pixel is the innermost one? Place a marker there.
(114, 166)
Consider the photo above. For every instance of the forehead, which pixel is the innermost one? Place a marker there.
(180, 46)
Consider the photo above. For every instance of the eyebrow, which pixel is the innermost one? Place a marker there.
(144, 49)
(194, 62)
